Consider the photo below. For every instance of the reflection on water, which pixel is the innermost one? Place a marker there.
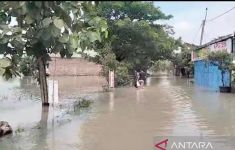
(111, 100)
(126, 118)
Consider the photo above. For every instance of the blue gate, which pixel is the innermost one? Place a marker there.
(209, 76)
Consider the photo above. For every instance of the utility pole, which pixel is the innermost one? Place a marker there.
(203, 26)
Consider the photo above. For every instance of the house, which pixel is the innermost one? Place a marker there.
(206, 74)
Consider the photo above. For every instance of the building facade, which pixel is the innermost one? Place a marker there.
(206, 74)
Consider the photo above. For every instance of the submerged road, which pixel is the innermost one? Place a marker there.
(129, 118)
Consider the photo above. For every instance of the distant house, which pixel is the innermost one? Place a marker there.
(208, 75)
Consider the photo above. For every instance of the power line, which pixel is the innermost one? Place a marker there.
(220, 15)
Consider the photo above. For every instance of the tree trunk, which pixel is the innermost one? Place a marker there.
(44, 117)
(43, 82)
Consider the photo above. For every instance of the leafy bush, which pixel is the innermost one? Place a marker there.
(108, 60)
(82, 103)
(122, 74)
(3, 63)
(223, 60)
(27, 66)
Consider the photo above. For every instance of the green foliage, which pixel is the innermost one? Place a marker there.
(139, 43)
(82, 103)
(132, 9)
(45, 27)
(223, 60)
(27, 66)
(9, 68)
(133, 41)
(233, 74)
(203, 53)
(4, 63)
(122, 74)
(162, 65)
(10, 72)
(136, 41)
(19, 130)
(108, 58)
(183, 59)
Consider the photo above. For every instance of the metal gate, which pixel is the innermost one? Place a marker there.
(209, 76)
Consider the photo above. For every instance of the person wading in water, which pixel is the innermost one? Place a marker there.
(142, 78)
(136, 80)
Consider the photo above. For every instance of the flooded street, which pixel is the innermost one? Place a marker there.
(126, 118)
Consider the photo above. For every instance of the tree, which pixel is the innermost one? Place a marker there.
(27, 66)
(136, 11)
(45, 27)
(182, 59)
(162, 65)
(223, 60)
(135, 37)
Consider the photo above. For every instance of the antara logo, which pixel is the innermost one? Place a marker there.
(183, 145)
(162, 145)
(192, 145)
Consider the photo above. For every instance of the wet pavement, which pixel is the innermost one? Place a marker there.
(126, 118)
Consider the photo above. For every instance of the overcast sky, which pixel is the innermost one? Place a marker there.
(188, 17)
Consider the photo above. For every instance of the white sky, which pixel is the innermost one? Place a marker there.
(189, 15)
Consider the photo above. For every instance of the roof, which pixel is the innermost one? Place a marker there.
(222, 38)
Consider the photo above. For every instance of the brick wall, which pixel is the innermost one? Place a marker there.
(76, 75)
(73, 67)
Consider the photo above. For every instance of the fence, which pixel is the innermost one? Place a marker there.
(209, 76)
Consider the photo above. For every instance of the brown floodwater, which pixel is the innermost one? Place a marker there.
(123, 119)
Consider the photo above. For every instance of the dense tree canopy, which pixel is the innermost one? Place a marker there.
(182, 59)
(135, 36)
(136, 11)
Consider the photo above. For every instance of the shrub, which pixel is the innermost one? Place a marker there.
(122, 74)
(27, 66)
(223, 60)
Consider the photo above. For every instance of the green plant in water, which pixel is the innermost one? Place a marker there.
(19, 130)
(105, 88)
(82, 103)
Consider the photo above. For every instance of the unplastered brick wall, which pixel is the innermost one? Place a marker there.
(73, 67)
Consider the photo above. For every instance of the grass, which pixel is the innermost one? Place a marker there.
(84, 103)
(81, 103)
